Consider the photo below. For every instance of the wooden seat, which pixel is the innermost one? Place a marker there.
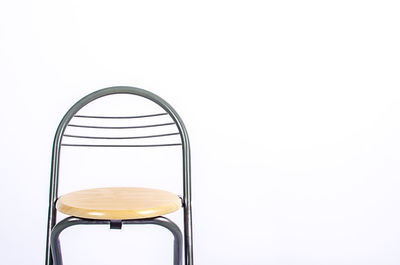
(118, 203)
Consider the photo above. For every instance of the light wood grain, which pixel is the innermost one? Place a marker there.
(118, 203)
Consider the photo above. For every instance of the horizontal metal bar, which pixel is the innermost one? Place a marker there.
(120, 117)
(120, 138)
(121, 127)
(120, 145)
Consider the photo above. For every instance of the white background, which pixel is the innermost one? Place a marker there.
(292, 108)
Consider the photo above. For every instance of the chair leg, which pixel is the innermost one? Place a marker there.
(50, 223)
(188, 236)
(171, 226)
(70, 221)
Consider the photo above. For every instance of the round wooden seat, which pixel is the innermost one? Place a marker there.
(118, 203)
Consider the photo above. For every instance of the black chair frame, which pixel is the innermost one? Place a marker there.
(53, 250)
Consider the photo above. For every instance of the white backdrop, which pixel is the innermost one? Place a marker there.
(292, 108)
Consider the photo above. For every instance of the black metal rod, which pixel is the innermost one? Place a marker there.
(120, 117)
(121, 127)
(120, 138)
(121, 145)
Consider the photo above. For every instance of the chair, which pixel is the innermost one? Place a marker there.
(116, 206)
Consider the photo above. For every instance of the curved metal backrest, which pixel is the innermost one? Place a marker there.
(184, 143)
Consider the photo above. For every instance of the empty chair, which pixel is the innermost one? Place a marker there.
(116, 206)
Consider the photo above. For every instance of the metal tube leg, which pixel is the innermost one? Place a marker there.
(54, 238)
(70, 221)
(172, 227)
(177, 252)
(55, 233)
(50, 223)
(56, 252)
(188, 235)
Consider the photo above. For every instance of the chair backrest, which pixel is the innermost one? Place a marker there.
(115, 140)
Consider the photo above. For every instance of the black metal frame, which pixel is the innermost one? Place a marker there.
(53, 251)
(114, 224)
